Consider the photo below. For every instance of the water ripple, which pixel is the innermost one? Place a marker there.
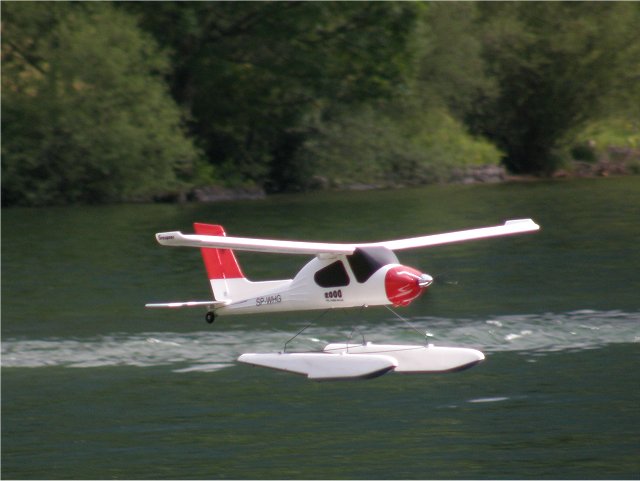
(214, 350)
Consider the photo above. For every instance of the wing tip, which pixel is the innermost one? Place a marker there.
(529, 223)
(169, 238)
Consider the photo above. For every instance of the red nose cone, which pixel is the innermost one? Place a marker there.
(401, 285)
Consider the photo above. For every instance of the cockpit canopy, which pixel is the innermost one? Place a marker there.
(365, 261)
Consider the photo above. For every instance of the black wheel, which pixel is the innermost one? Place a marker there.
(210, 317)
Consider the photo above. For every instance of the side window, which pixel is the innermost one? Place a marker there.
(333, 275)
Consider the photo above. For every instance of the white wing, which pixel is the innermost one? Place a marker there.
(255, 245)
(320, 248)
(518, 226)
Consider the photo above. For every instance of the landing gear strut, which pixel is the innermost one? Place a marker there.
(210, 317)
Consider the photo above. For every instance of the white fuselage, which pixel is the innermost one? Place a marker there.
(308, 290)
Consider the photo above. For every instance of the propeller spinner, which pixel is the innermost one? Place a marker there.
(404, 284)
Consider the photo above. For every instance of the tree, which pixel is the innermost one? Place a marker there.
(416, 136)
(252, 74)
(558, 65)
(449, 70)
(86, 115)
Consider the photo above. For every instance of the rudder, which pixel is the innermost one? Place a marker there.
(219, 263)
(228, 283)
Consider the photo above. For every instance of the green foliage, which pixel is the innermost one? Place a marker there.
(85, 113)
(610, 141)
(619, 132)
(394, 145)
(448, 67)
(558, 66)
(253, 73)
(130, 100)
(417, 136)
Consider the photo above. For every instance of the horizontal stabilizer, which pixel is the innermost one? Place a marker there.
(187, 304)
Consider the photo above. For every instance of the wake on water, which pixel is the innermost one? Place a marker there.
(215, 350)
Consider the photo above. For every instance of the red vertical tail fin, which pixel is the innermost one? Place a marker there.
(220, 263)
(228, 283)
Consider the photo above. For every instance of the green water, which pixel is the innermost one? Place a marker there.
(94, 386)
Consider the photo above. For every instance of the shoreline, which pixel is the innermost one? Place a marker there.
(472, 176)
(211, 194)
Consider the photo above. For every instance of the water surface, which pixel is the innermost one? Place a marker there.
(94, 386)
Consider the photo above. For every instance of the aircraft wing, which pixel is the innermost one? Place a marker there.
(255, 245)
(320, 248)
(518, 226)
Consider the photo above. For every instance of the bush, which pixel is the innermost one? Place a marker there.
(86, 115)
(387, 146)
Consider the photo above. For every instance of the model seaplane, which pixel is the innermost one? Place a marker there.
(339, 276)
